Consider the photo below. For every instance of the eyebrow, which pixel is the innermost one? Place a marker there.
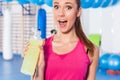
(56, 3)
(65, 3)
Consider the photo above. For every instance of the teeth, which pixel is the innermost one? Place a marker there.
(62, 21)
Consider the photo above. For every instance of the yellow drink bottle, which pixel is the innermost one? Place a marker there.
(31, 58)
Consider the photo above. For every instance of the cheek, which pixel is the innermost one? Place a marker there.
(71, 16)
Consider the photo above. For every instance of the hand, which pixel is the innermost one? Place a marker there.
(26, 48)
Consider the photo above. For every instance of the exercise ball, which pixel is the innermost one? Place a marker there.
(103, 61)
(115, 2)
(97, 3)
(106, 3)
(7, 0)
(41, 22)
(114, 62)
(23, 1)
(37, 2)
(49, 2)
(86, 3)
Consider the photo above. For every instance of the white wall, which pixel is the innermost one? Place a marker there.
(105, 21)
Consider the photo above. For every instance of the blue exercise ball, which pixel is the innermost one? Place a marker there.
(6, 0)
(86, 3)
(103, 61)
(114, 62)
(37, 2)
(97, 3)
(49, 2)
(23, 1)
(41, 22)
(115, 2)
(106, 3)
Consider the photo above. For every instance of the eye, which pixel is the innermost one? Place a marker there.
(69, 7)
(56, 6)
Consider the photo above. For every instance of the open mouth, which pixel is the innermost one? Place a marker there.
(62, 23)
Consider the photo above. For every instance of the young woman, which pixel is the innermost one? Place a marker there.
(67, 55)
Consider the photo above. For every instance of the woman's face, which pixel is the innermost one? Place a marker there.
(65, 13)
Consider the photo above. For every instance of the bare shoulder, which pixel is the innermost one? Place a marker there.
(96, 53)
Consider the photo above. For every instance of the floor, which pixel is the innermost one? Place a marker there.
(10, 70)
(102, 75)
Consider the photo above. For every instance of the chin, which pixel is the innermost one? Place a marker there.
(64, 31)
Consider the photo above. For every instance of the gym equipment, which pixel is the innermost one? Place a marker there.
(7, 35)
(115, 2)
(106, 3)
(41, 22)
(49, 2)
(23, 1)
(112, 72)
(86, 3)
(114, 62)
(95, 38)
(7, 0)
(37, 2)
(103, 61)
(97, 3)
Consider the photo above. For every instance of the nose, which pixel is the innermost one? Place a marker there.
(61, 12)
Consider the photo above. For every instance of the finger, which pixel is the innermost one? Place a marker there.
(27, 44)
(25, 50)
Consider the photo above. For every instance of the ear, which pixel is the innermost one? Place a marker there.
(79, 12)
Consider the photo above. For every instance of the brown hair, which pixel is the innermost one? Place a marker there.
(79, 32)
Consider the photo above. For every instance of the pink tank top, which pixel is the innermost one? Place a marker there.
(70, 66)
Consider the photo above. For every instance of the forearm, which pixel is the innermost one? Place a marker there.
(92, 78)
(39, 74)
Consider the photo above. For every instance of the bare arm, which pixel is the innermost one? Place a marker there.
(39, 73)
(93, 65)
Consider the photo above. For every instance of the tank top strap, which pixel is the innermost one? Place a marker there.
(48, 40)
(87, 51)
